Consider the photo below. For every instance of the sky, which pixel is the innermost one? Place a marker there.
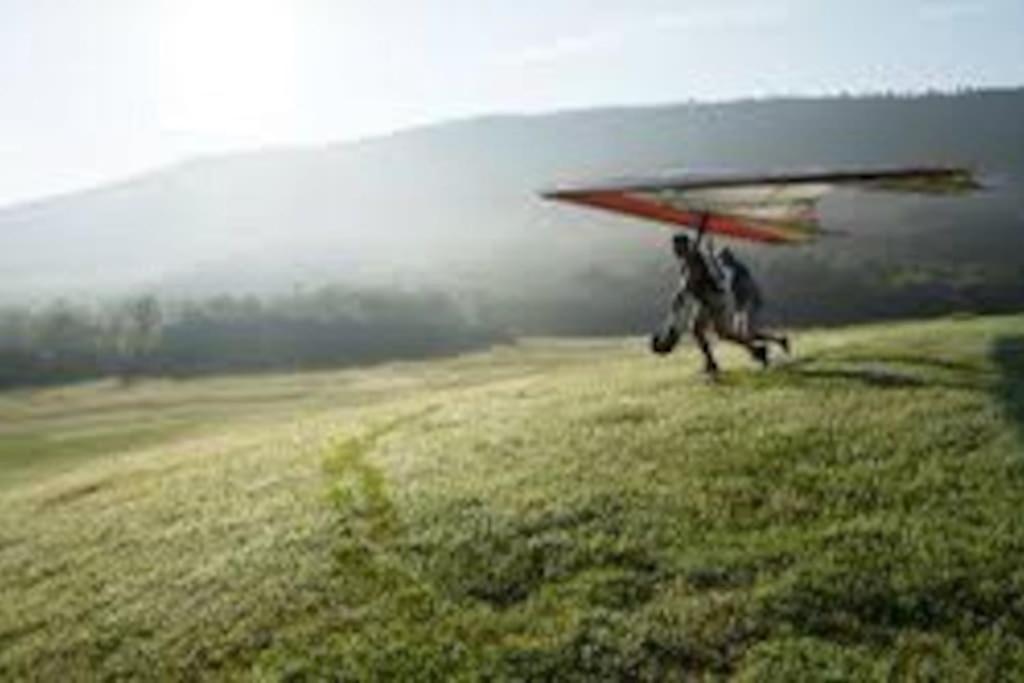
(92, 91)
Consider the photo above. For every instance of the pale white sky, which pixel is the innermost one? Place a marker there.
(94, 90)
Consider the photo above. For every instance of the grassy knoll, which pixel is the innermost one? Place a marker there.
(554, 511)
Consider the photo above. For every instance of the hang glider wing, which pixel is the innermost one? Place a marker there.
(777, 208)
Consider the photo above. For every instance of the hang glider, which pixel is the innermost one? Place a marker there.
(779, 208)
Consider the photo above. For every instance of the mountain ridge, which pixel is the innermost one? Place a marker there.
(455, 204)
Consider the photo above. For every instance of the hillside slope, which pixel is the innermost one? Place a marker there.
(455, 205)
(548, 511)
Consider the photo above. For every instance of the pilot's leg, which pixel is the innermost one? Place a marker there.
(742, 322)
(758, 333)
(726, 329)
(701, 323)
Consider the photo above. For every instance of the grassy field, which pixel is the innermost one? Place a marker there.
(551, 511)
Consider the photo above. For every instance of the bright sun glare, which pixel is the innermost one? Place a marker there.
(228, 68)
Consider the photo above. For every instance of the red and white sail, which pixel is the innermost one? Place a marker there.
(771, 207)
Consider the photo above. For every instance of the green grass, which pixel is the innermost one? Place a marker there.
(554, 511)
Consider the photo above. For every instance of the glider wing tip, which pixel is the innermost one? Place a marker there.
(559, 194)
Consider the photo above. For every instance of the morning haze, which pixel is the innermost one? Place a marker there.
(98, 90)
(303, 377)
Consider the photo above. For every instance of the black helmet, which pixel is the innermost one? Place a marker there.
(680, 243)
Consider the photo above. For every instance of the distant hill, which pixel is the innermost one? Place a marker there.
(455, 205)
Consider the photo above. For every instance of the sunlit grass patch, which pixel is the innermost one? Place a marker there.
(553, 511)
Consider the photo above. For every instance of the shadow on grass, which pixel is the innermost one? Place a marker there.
(874, 377)
(889, 371)
(1008, 356)
(1004, 377)
(917, 362)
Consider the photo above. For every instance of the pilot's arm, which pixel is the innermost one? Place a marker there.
(680, 301)
(666, 338)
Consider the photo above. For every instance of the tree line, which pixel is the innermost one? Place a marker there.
(144, 336)
(337, 326)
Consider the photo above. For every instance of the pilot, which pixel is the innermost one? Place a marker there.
(703, 291)
(747, 301)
